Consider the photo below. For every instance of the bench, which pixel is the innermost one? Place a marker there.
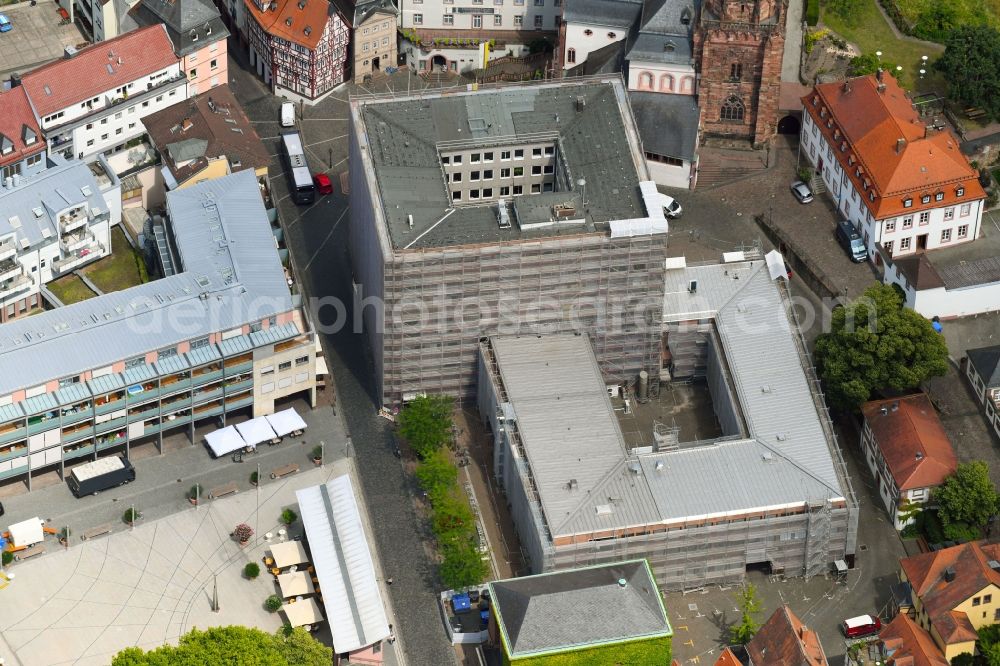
(284, 471)
(228, 489)
(96, 532)
(37, 549)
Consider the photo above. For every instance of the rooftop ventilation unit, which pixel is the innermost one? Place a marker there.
(581, 103)
(659, 466)
(635, 468)
(503, 216)
(567, 209)
(693, 286)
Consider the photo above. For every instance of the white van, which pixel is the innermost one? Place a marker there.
(671, 207)
(287, 114)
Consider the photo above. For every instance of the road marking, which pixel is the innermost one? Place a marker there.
(342, 136)
(684, 627)
(327, 239)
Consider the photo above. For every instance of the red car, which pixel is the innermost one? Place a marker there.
(322, 183)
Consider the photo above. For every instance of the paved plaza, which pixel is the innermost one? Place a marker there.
(36, 39)
(149, 585)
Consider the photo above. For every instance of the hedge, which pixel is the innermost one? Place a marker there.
(649, 652)
(812, 12)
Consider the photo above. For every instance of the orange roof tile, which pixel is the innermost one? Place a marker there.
(15, 116)
(912, 440)
(897, 155)
(727, 658)
(783, 639)
(91, 72)
(298, 21)
(910, 644)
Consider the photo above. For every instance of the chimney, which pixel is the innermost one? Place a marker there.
(15, 80)
(919, 455)
(878, 75)
(949, 575)
(847, 85)
(900, 144)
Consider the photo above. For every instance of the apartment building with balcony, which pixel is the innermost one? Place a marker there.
(52, 223)
(906, 187)
(92, 100)
(221, 332)
(22, 150)
(444, 35)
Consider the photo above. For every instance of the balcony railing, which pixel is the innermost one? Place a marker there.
(10, 269)
(73, 220)
(8, 250)
(20, 283)
(72, 242)
(77, 258)
(60, 140)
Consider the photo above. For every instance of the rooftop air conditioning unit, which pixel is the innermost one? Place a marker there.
(567, 209)
(503, 216)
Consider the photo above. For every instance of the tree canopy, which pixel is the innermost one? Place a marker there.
(967, 496)
(426, 423)
(222, 646)
(749, 606)
(875, 344)
(970, 64)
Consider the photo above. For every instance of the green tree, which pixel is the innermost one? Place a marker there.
(749, 606)
(877, 344)
(849, 11)
(868, 63)
(970, 64)
(967, 496)
(426, 423)
(220, 646)
(437, 475)
(452, 519)
(937, 21)
(462, 565)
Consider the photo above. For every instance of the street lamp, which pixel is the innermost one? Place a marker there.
(878, 54)
(583, 194)
(923, 60)
(922, 72)
(899, 70)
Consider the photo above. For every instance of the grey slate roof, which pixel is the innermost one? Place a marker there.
(986, 361)
(579, 608)
(661, 24)
(191, 24)
(596, 142)
(39, 198)
(364, 9)
(621, 14)
(605, 60)
(227, 253)
(569, 430)
(668, 124)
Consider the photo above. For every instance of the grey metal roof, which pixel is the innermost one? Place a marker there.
(171, 364)
(29, 210)
(668, 124)
(597, 142)
(715, 288)
(203, 355)
(105, 383)
(576, 608)
(232, 276)
(72, 394)
(10, 412)
(235, 345)
(365, 9)
(986, 361)
(621, 14)
(139, 373)
(45, 402)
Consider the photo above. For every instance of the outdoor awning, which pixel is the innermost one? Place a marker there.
(26, 532)
(225, 440)
(295, 584)
(286, 421)
(288, 553)
(255, 431)
(321, 368)
(343, 562)
(303, 612)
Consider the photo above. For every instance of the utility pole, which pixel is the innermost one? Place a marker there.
(322, 453)
(215, 593)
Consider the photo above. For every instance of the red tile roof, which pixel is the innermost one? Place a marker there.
(910, 644)
(727, 658)
(290, 19)
(15, 115)
(65, 82)
(912, 440)
(938, 597)
(898, 156)
(783, 639)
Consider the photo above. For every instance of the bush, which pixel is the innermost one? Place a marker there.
(65, 533)
(961, 532)
(251, 570)
(8, 557)
(273, 603)
(426, 423)
(317, 453)
(933, 531)
(196, 491)
(288, 516)
(812, 12)
(243, 532)
(131, 515)
(253, 477)
(805, 174)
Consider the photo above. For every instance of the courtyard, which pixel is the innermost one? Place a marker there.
(37, 37)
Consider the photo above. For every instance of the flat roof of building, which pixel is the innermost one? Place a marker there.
(967, 264)
(232, 276)
(586, 479)
(579, 608)
(587, 119)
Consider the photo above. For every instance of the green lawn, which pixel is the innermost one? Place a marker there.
(871, 33)
(70, 289)
(967, 11)
(120, 270)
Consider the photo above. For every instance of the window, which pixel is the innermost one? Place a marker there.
(475, 158)
(34, 159)
(732, 110)
(284, 366)
(908, 222)
(505, 173)
(418, 19)
(963, 231)
(945, 235)
(538, 21)
(975, 601)
(925, 199)
(504, 191)
(925, 217)
(90, 142)
(90, 125)
(996, 615)
(448, 19)
(735, 71)
(477, 20)
(497, 19)
(939, 196)
(904, 244)
(445, 159)
(473, 194)
(474, 175)
(518, 153)
(487, 192)
(104, 137)
(987, 598)
(487, 174)
(366, 47)
(536, 188)
(539, 3)
(959, 191)
(612, 35)
(965, 210)
(504, 155)
(536, 152)
(548, 169)
(518, 189)
(135, 362)
(119, 130)
(949, 213)
(888, 247)
(457, 159)
(456, 196)
(571, 55)
(518, 171)
(536, 170)
(104, 121)
(456, 178)
(518, 20)
(890, 226)
(301, 360)
(550, 150)
(131, 109)
(488, 157)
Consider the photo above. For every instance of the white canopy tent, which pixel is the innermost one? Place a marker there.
(303, 612)
(295, 584)
(225, 440)
(285, 422)
(287, 553)
(27, 532)
(255, 431)
(343, 564)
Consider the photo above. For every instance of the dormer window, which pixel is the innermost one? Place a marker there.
(850, 160)
(815, 100)
(822, 112)
(907, 203)
(925, 199)
(857, 172)
(588, 32)
(836, 134)
(843, 146)
(6, 145)
(939, 196)
(871, 195)
(959, 191)
(829, 123)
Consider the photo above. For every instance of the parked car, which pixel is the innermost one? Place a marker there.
(671, 207)
(851, 241)
(862, 625)
(287, 114)
(5, 24)
(322, 183)
(801, 191)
